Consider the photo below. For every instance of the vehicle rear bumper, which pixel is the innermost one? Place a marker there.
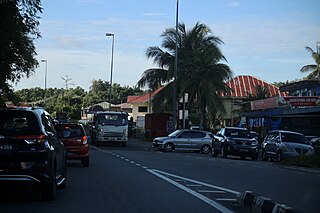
(77, 152)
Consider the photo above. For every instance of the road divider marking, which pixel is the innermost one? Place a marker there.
(226, 199)
(190, 191)
(198, 182)
(212, 191)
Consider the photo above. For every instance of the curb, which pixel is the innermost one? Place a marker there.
(261, 204)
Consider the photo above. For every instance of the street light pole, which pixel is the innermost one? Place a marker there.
(110, 92)
(175, 72)
(45, 79)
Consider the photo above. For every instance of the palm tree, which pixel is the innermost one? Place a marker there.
(199, 72)
(313, 68)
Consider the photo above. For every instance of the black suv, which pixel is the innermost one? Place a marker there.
(31, 154)
(235, 141)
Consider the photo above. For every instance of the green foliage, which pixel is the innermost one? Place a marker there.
(18, 31)
(314, 69)
(74, 99)
(200, 71)
(312, 161)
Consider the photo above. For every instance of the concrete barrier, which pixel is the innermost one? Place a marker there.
(261, 204)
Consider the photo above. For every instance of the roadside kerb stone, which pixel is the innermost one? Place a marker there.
(261, 204)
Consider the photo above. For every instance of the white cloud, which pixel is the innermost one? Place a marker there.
(233, 4)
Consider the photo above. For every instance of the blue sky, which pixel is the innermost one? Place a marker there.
(263, 38)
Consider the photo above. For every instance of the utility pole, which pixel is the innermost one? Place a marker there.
(66, 79)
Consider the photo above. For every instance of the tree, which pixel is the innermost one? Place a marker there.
(313, 68)
(18, 30)
(200, 72)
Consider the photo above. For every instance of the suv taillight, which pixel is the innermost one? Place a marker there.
(84, 140)
(32, 139)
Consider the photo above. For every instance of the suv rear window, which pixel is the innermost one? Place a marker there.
(13, 123)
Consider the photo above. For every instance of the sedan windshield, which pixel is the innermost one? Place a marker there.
(293, 138)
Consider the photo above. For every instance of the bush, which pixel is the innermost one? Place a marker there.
(312, 161)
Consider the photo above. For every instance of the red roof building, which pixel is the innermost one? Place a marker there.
(244, 85)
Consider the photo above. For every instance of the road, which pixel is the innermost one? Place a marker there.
(139, 179)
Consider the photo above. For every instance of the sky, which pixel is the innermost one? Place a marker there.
(262, 38)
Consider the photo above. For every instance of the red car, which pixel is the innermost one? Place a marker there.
(75, 141)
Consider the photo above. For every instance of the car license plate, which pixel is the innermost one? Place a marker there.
(6, 147)
(244, 150)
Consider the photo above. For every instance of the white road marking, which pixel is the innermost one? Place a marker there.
(197, 182)
(194, 193)
(212, 191)
(132, 162)
(138, 164)
(226, 199)
(145, 167)
(179, 180)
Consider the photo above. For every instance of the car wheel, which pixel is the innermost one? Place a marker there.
(224, 153)
(168, 147)
(279, 156)
(264, 156)
(85, 162)
(49, 190)
(214, 152)
(205, 149)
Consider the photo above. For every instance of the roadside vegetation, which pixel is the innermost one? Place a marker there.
(303, 161)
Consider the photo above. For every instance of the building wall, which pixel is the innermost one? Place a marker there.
(135, 112)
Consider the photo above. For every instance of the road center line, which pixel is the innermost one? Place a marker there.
(194, 193)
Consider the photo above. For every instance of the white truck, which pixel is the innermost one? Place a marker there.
(109, 127)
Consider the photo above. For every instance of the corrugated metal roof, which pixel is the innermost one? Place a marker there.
(143, 98)
(244, 85)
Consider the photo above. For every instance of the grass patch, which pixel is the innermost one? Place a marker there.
(312, 161)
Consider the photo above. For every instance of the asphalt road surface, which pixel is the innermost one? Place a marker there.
(137, 178)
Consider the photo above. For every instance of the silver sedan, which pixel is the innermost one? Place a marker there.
(183, 139)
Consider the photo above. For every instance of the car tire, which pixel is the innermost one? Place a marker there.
(205, 149)
(168, 147)
(264, 156)
(49, 191)
(214, 152)
(85, 162)
(224, 153)
(279, 156)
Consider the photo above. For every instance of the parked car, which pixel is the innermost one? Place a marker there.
(76, 142)
(235, 141)
(281, 144)
(185, 140)
(315, 143)
(30, 151)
